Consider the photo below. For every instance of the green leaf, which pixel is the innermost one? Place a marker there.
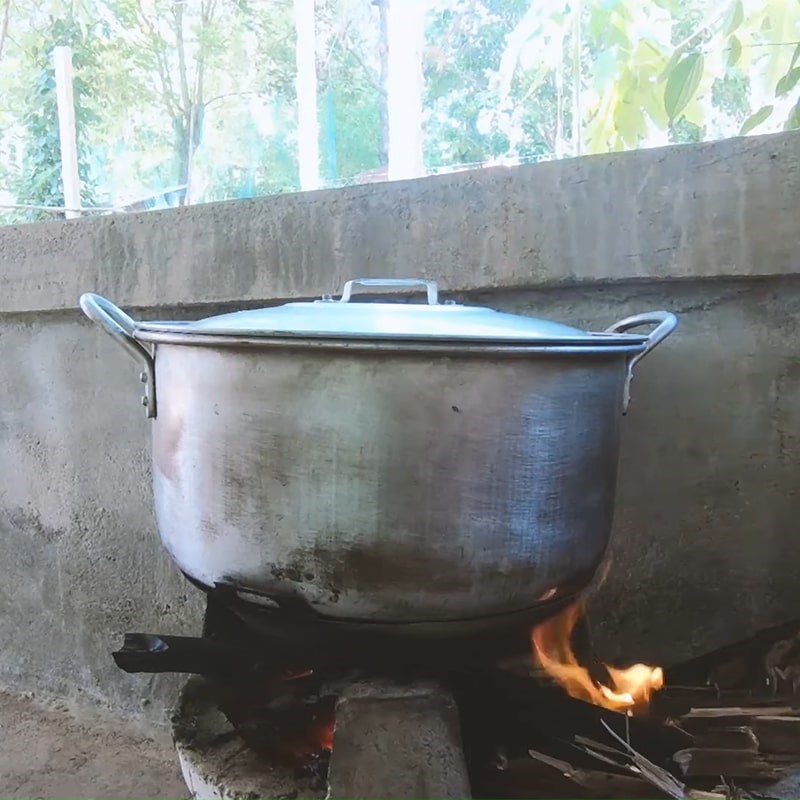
(694, 113)
(651, 102)
(682, 83)
(734, 51)
(629, 122)
(787, 82)
(793, 122)
(735, 17)
(795, 56)
(754, 120)
(670, 65)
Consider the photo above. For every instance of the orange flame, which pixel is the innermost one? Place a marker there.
(324, 734)
(630, 688)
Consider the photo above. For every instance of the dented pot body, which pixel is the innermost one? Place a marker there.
(387, 488)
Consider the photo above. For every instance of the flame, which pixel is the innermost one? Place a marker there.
(324, 735)
(629, 690)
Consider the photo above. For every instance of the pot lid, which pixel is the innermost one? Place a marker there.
(330, 318)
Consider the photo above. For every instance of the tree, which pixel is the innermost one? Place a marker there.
(219, 95)
(176, 47)
(653, 72)
(352, 41)
(464, 122)
(39, 181)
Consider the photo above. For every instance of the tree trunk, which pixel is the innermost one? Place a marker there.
(405, 84)
(180, 126)
(306, 88)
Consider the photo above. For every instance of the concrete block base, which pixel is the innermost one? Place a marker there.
(394, 741)
(215, 761)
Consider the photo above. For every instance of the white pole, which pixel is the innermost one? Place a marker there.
(306, 88)
(62, 59)
(405, 84)
(577, 118)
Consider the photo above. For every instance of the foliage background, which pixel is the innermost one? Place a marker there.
(201, 93)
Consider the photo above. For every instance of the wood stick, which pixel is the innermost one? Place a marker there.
(739, 737)
(779, 735)
(711, 762)
(703, 719)
(600, 783)
(738, 711)
(654, 774)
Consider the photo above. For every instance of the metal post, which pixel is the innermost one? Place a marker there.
(306, 88)
(62, 59)
(405, 87)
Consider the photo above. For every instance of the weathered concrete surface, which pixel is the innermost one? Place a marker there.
(706, 526)
(397, 741)
(216, 762)
(721, 209)
(82, 563)
(50, 751)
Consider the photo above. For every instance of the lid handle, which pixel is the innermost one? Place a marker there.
(393, 283)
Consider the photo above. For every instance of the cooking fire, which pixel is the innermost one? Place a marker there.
(603, 732)
(627, 689)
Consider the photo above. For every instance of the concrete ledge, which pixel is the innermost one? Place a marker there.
(727, 208)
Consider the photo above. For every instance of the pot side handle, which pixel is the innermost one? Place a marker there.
(665, 323)
(120, 326)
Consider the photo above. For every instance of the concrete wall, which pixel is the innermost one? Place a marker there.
(705, 534)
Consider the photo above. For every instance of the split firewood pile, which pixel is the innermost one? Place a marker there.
(726, 725)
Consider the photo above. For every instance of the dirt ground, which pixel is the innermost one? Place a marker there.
(52, 752)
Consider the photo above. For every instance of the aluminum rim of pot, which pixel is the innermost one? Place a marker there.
(397, 324)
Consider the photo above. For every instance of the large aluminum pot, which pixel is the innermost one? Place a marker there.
(385, 462)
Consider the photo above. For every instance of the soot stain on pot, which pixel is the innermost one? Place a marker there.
(377, 567)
